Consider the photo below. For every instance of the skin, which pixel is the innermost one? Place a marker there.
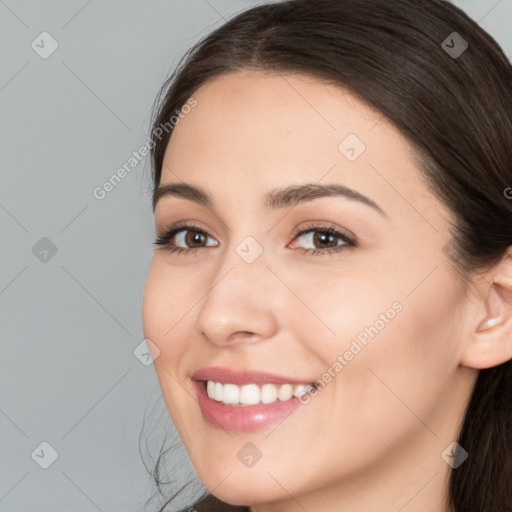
(372, 438)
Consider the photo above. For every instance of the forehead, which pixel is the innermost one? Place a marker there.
(253, 131)
(298, 108)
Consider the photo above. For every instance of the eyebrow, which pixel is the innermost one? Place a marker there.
(273, 200)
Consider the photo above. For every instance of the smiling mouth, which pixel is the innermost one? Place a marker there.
(254, 394)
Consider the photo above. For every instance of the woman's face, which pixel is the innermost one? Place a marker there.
(372, 311)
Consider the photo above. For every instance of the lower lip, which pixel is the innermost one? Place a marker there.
(242, 419)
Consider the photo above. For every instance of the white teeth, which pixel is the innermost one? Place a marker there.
(300, 390)
(252, 394)
(217, 395)
(249, 394)
(230, 394)
(268, 393)
(210, 389)
(285, 392)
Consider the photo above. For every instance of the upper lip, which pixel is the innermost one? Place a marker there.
(240, 377)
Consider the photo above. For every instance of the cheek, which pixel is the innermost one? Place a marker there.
(164, 320)
(153, 307)
(405, 368)
(345, 312)
(388, 318)
(164, 309)
(393, 357)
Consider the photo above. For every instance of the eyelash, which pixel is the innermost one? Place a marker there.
(165, 238)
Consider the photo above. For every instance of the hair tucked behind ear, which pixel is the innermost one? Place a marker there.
(456, 112)
(487, 437)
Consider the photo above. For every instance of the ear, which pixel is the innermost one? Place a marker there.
(491, 337)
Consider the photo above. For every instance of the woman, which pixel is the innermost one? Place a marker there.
(330, 298)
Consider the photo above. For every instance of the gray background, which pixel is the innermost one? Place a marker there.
(70, 321)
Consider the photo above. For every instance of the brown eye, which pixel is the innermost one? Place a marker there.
(183, 238)
(193, 237)
(324, 239)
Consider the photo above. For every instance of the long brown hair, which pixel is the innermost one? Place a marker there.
(454, 106)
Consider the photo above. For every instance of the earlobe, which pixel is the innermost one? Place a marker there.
(491, 341)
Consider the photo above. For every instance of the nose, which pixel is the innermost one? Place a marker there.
(239, 305)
